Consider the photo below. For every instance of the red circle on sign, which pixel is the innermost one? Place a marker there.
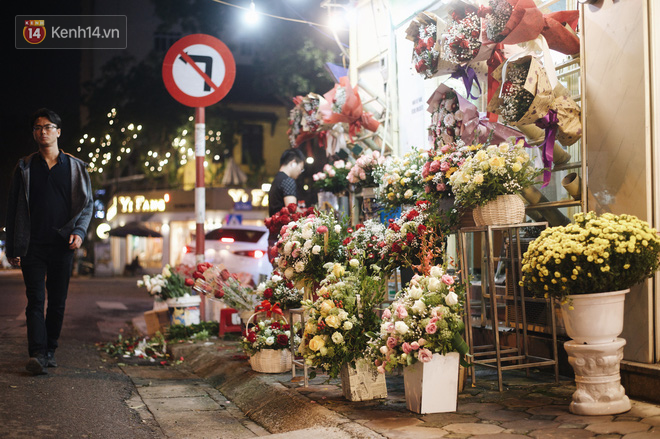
(219, 90)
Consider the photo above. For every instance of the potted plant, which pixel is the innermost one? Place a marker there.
(334, 338)
(266, 342)
(174, 288)
(421, 331)
(491, 181)
(588, 267)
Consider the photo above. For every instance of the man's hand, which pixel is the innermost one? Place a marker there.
(75, 242)
(15, 262)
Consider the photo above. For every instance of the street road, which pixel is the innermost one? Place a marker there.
(85, 397)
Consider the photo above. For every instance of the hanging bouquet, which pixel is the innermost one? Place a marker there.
(343, 105)
(423, 32)
(278, 290)
(306, 245)
(304, 119)
(363, 172)
(516, 98)
(595, 254)
(364, 245)
(399, 178)
(269, 333)
(461, 41)
(518, 21)
(496, 170)
(453, 117)
(442, 163)
(286, 215)
(333, 177)
(425, 318)
(335, 332)
(168, 284)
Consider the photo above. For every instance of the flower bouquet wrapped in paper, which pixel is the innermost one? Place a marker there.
(425, 318)
(343, 105)
(335, 332)
(423, 32)
(518, 21)
(304, 119)
(400, 181)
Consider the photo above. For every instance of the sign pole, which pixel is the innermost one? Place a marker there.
(200, 193)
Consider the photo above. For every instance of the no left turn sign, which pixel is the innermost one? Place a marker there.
(199, 70)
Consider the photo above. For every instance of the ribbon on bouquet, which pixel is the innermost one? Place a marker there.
(269, 309)
(550, 123)
(496, 58)
(469, 77)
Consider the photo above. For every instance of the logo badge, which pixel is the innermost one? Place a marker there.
(34, 31)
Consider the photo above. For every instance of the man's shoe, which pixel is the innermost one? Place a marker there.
(50, 359)
(37, 365)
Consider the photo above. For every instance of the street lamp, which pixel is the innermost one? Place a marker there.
(252, 16)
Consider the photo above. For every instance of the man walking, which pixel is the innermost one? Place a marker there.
(48, 213)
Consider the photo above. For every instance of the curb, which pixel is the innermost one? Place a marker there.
(262, 397)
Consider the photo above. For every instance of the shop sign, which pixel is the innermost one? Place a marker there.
(136, 204)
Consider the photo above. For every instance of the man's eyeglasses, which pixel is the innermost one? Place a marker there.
(38, 128)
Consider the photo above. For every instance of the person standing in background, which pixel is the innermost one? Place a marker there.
(283, 188)
(48, 212)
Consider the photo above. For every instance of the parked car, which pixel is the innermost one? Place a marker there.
(238, 248)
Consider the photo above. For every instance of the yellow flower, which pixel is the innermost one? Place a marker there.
(333, 321)
(326, 306)
(316, 343)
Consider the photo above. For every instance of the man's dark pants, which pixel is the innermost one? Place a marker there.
(45, 268)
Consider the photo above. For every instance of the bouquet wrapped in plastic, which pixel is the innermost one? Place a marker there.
(343, 105)
(304, 119)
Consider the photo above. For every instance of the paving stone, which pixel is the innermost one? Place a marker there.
(442, 419)
(653, 420)
(618, 427)
(525, 402)
(474, 428)
(202, 425)
(644, 410)
(562, 433)
(415, 432)
(526, 425)
(172, 391)
(549, 410)
(502, 436)
(504, 415)
(476, 407)
(651, 434)
(392, 423)
(193, 403)
(583, 419)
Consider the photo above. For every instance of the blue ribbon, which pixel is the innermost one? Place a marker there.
(469, 76)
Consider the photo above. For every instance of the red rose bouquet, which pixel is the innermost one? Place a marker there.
(286, 215)
(461, 41)
(278, 290)
(269, 333)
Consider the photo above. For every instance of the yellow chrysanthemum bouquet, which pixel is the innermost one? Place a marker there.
(595, 254)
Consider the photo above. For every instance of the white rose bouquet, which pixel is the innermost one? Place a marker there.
(425, 318)
(399, 179)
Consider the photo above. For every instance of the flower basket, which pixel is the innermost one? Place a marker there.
(362, 382)
(422, 381)
(270, 360)
(505, 209)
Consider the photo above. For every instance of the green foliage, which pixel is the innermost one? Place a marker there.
(198, 331)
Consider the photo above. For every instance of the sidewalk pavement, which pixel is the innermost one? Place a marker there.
(214, 392)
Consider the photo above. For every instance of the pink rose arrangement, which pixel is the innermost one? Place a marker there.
(442, 162)
(425, 318)
(362, 172)
(333, 177)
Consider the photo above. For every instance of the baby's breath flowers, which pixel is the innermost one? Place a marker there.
(595, 254)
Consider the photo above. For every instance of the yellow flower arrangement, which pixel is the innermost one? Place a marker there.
(595, 254)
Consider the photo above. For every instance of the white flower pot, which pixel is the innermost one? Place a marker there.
(432, 387)
(594, 318)
(184, 310)
(362, 382)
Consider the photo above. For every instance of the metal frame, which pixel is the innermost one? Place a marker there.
(494, 355)
(297, 363)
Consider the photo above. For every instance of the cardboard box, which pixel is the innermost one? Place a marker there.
(157, 320)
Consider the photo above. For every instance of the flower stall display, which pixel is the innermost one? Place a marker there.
(400, 179)
(279, 291)
(588, 267)
(305, 246)
(335, 332)
(442, 162)
(519, 21)
(343, 105)
(363, 172)
(424, 325)
(492, 180)
(174, 287)
(267, 343)
(287, 214)
(364, 246)
(333, 177)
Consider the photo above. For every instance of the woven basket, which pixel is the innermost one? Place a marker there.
(270, 360)
(505, 209)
